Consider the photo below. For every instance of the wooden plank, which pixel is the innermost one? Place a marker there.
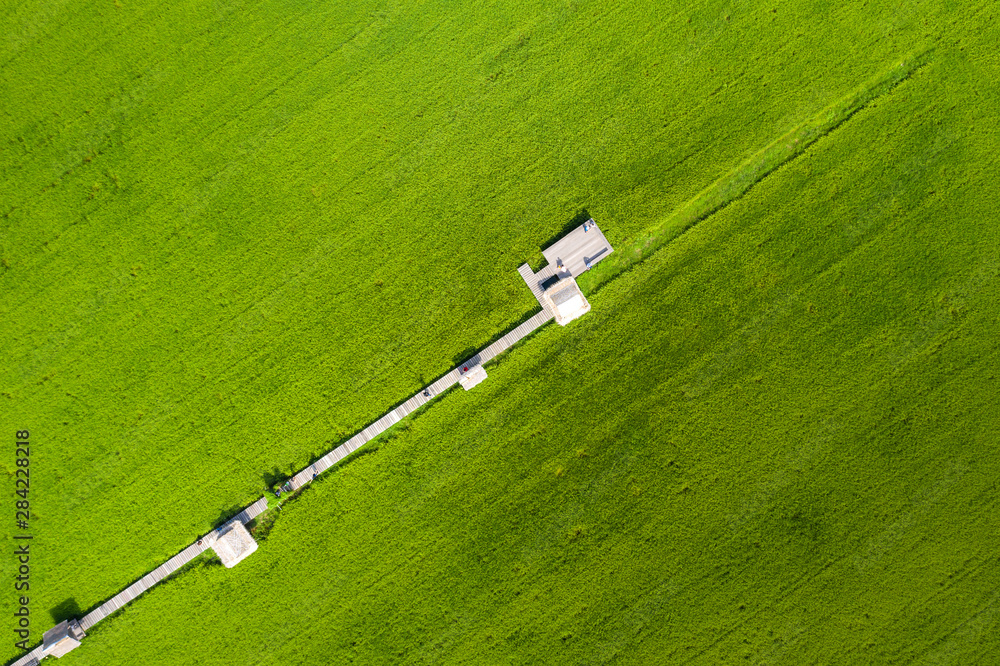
(29, 658)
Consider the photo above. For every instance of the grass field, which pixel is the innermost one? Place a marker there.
(234, 235)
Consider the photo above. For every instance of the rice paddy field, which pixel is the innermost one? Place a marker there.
(234, 233)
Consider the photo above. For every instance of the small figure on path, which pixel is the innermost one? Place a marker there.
(587, 263)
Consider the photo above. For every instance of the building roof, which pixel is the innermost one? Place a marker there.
(566, 301)
(62, 638)
(234, 544)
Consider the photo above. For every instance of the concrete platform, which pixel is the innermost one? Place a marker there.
(472, 376)
(570, 254)
(567, 258)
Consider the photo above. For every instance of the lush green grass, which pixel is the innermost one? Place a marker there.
(788, 447)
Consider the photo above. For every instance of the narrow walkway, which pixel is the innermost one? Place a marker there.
(567, 257)
(304, 477)
(533, 282)
(29, 658)
(148, 581)
(119, 601)
(418, 399)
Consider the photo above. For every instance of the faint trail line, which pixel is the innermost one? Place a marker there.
(734, 185)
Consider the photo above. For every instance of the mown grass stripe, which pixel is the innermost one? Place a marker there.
(741, 180)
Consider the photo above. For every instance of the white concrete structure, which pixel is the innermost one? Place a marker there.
(472, 376)
(565, 300)
(62, 638)
(234, 544)
(569, 257)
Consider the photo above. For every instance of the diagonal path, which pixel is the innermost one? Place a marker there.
(572, 244)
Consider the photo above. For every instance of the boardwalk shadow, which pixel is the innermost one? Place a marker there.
(469, 356)
(67, 610)
(314, 457)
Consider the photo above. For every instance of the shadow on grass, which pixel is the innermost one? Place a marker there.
(273, 477)
(66, 610)
(467, 357)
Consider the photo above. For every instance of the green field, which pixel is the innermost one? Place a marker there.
(234, 234)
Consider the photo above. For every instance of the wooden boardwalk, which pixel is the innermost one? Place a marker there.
(418, 399)
(305, 476)
(572, 250)
(136, 589)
